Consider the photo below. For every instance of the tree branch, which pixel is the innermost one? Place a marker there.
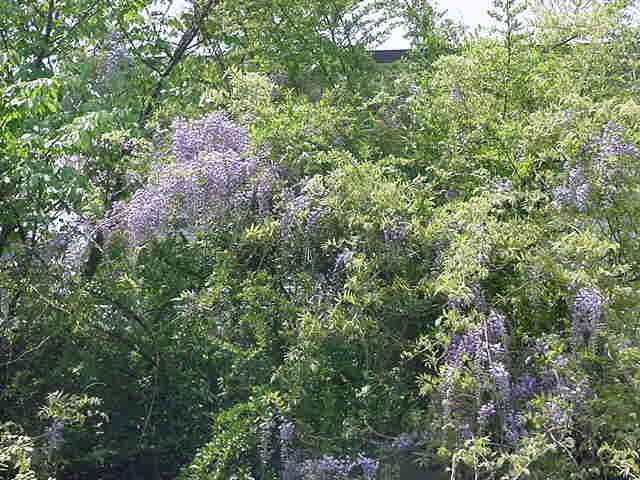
(45, 49)
(176, 58)
(561, 43)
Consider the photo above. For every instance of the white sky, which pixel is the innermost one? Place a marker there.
(470, 12)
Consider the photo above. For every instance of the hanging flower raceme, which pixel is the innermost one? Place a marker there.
(116, 58)
(597, 175)
(303, 214)
(587, 314)
(212, 179)
(477, 390)
(335, 468)
(214, 133)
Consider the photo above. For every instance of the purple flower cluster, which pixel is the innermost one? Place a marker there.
(513, 427)
(451, 194)
(303, 214)
(481, 353)
(587, 313)
(213, 133)
(482, 350)
(286, 431)
(265, 431)
(332, 467)
(265, 182)
(187, 195)
(611, 144)
(116, 56)
(495, 327)
(604, 153)
(559, 415)
(344, 259)
(524, 388)
(404, 441)
(368, 465)
(494, 403)
(210, 180)
(395, 233)
(500, 380)
(338, 467)
(575, 192)
(504, 185)
(567, 393)
(455, 95)
(477, 300)
(55, 435)
(608, 152)
(486, 412)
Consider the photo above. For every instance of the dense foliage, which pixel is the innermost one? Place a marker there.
(234, 247)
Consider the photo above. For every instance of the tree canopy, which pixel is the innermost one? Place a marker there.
(234, 247)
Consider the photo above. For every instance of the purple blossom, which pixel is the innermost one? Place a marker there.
(188, 195)
(478, 344)
(457, 303)
(477, 300)
(524, 388)
(558, 415)
(303, 214)
(495, 327)
(500, 379)
(344, 259)
(485, 412)
(504, 185)
(480, 352)
(396, 232)
(213, 133)
(339, 467)
(575, 191)
(513, 427)
(287, 430)
(611, 143)
(567, 393)
(455, 94)
(586, 313)
(55, 435)
(404, 441)
(265, 429)
(607, 152)
(265, 183)
(209, 181)
(463, 347)
(465, 431)
(116, 56)
(368, 465)
(329, 466)
(296, 209)
(603, 153)
(451, 194)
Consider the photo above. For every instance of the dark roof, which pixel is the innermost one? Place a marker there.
(388, 56)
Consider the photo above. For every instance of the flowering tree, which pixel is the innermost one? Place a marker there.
(436, 274)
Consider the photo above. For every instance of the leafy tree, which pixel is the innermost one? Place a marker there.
(204, 273)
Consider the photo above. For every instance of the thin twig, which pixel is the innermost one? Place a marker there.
(25, 353)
